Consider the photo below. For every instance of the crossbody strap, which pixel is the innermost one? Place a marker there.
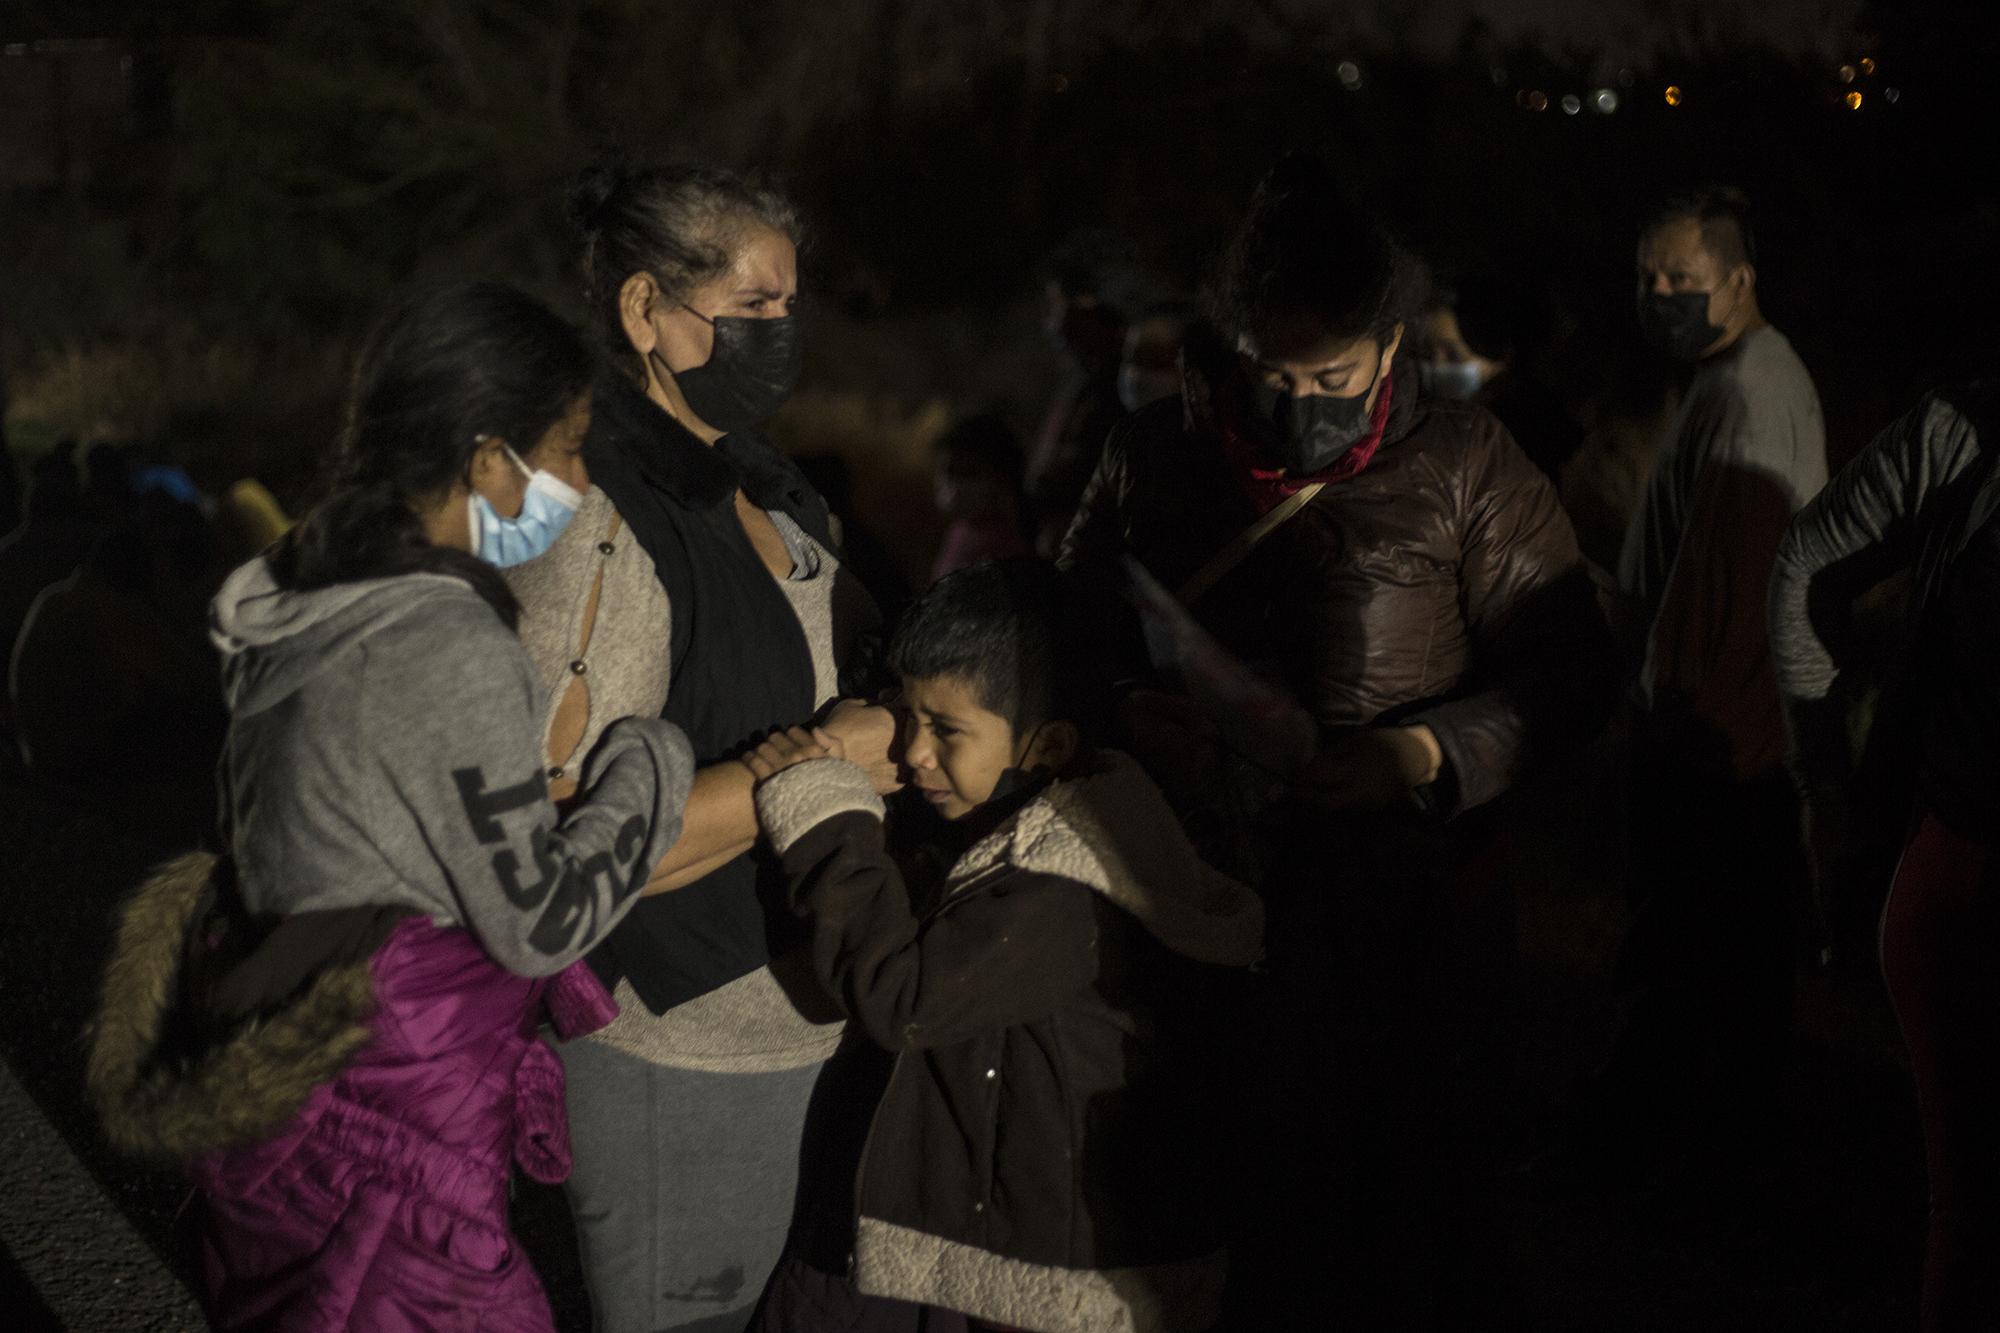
(1246, 541)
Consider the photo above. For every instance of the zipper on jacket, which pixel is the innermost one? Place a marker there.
(979, 880)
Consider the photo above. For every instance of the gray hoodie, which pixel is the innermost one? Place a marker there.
(385, 749)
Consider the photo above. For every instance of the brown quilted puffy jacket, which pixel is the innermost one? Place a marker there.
(1441, 585)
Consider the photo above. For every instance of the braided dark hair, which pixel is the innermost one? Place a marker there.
(679, 222)
(454, 363)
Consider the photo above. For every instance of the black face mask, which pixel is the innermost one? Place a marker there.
(752, 369)
(1308, 434)
(1677, 323)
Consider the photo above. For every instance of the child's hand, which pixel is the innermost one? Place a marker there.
(782, 749)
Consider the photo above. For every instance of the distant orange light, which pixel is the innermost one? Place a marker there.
(1538, 101)
(1868, 64)
(1673, 94)
(1853, 101)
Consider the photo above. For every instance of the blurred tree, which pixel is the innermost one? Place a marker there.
(328, 152)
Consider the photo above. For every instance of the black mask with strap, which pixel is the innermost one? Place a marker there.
(751, 369)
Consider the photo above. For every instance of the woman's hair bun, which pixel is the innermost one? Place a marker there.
(592, 191)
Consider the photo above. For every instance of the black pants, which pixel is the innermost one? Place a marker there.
(1717, 873)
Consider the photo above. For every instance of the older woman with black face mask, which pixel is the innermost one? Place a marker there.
(699, 582)
(1404, 571)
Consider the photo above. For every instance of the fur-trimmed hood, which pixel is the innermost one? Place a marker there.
(157, 1102)
(1111, 829)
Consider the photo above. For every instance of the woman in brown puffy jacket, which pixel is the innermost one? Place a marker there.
(1402, 568)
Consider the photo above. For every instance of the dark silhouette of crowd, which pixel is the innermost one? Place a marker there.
(1098, 938)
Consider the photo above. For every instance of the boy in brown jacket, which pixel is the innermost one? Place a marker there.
(1045, 1154)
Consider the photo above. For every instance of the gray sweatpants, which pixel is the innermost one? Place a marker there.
(683, 1187)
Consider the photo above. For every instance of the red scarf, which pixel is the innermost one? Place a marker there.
(1269, 487)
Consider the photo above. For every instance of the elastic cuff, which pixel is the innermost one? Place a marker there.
(792, 802)
(541, 1117)
(578, 1002)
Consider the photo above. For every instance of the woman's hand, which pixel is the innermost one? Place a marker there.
(782, 749)
(1372, 769)
(864, 734)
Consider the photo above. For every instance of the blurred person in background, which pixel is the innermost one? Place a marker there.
(1150, 368)
(1925, 497)
(110, 472)
(10, 472)
(1419, 593)
(860, 549)
(46, 547)
(700, 582)
(248, 518)
(1624, 403)
(1717, 864)
(1092, 286)
(1485, 342)
(977, 483)
(114, 685)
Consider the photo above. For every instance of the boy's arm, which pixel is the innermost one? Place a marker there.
(990, 959)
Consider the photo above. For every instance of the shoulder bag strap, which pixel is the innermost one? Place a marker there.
(1246, 541)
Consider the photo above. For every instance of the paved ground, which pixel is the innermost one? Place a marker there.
(1827, 1241)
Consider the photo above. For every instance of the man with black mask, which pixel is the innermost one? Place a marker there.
(1716, 860)
(1403, 570)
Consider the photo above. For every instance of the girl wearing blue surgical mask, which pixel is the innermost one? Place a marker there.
(548, 502)
(353, 990)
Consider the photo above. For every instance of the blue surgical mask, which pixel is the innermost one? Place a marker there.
(1451, 379)
(545, 511)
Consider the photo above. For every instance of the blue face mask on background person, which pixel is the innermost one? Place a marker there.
(546, 510)
(1450, 379)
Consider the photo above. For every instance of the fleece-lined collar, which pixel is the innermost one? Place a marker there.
(1107, 828)
(1110, 828)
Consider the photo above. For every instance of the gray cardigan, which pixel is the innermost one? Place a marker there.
(597, 625)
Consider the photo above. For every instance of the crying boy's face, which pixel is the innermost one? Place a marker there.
(954, 747)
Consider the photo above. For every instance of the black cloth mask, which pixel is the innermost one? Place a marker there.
(1677, 323)
(1308, 434)
(752, 369)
